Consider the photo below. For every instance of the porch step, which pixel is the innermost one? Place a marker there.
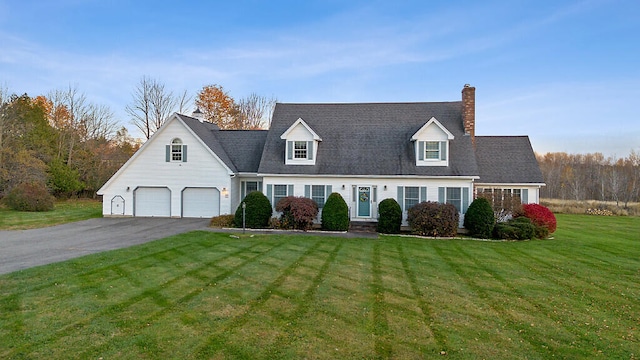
(363, 226)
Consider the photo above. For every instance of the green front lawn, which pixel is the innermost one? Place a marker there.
(64, 212)
(210, 295)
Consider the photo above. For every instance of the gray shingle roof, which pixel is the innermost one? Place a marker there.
(244, 147)
(507, 159)
(368, 139)
(240, 150)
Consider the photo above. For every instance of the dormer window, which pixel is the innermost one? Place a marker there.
(432, 150)
(432, 144)
(300, 150)
(176, 151)
(301, 144)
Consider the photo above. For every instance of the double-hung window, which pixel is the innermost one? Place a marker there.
(300, 150)
(176, 151)
(411, 196)
(456, 196)
(432, 150)
(319, 195)
(279, 193)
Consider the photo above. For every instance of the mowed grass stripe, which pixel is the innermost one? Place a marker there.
(281, 296)
(547, 332)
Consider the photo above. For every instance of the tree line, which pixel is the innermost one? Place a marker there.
(591, 177)
(73, 146)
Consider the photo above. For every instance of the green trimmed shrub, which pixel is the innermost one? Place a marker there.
(433, 219)
(389, 217)
(297, 212)
(31, 196)
(519, 228)
(479, 219)
(257, 213)
(335, 214)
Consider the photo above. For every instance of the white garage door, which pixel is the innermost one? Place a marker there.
(152, 201)
(200, 202)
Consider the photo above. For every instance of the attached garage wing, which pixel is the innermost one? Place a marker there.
(200, 202)
(152, 201)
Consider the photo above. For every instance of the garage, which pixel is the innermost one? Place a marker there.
(152, 201)
(200, 202)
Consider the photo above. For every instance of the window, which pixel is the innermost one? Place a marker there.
(249, 186)
(411, 196)
(279, 193)
(432, 153)
(318, 194)
(432, 150)
(176, 150)
(454, 197)
(300, 150)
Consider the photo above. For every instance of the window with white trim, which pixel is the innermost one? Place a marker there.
(432, 153)
(176, 150)
(300, 150)
(279, 193)
(319, 195)
(432, 150)
(454, 197)
(411, 196)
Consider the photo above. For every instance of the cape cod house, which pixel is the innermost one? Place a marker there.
(367, 152)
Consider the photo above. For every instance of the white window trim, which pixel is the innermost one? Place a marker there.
(443, 145)
(289, 152)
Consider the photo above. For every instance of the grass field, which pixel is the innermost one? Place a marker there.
(64, 212)
(208, 295)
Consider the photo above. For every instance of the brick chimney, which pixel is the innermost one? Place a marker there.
(469, 111)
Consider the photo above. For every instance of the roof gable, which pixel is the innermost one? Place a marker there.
(424, 132)
(300, 123)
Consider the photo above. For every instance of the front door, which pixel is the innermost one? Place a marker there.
(364, 201)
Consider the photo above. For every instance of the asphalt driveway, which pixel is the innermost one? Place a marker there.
(21, 249)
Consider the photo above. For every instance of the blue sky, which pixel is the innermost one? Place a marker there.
(566, 73)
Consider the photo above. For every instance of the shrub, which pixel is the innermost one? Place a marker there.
(389, 216)
(223, 220)
(540, 216)
(297, 212)
(335, 214)
(519, 228)
(433, 219)
(63, 180)
(257, 213)
(32, 196)
(479, 219)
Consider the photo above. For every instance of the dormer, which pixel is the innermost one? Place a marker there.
(301, 144)
(431, 144)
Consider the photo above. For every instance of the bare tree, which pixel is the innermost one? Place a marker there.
(183, 101)
(255, 111)
(99, 123)
(153, 104)
(4, 100)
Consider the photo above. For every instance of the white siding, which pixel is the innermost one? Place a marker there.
(149, 168)
(385, 188)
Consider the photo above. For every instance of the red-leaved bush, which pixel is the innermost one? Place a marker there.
(297, 212)
(540, 216)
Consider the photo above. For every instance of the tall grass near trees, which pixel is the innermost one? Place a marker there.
(560, 206)
(207, 295)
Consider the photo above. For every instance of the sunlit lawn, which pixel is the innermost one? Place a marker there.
(209, 295)
(64, 212)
